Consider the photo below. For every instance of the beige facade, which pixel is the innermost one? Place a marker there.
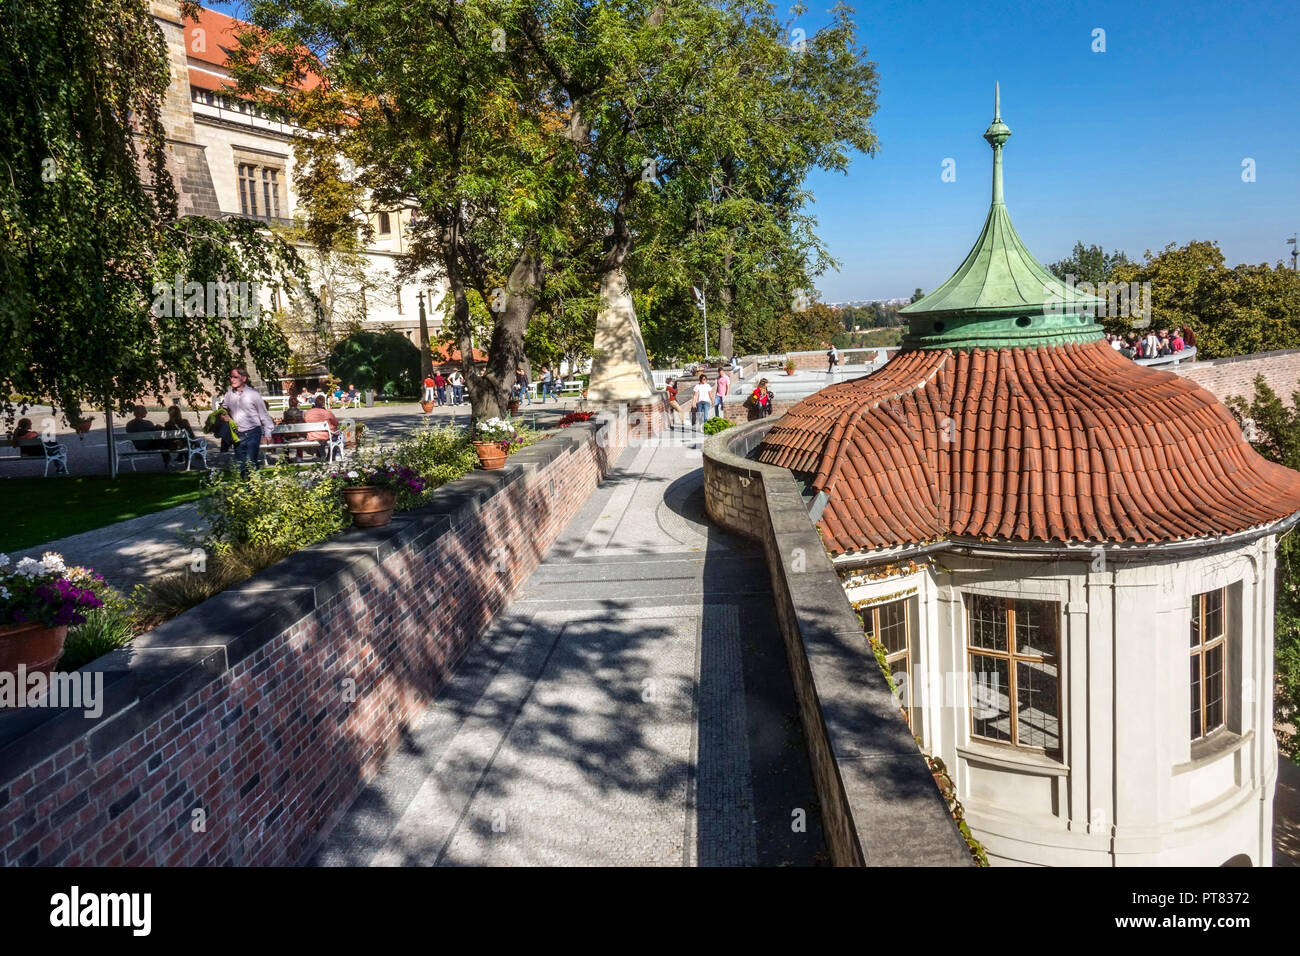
(232, 160)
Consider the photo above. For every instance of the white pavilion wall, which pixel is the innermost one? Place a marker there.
(1125, 788)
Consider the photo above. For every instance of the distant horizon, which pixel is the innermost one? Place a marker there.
(1131, 147)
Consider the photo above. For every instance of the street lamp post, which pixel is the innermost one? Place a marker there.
(426, 359)
(702, 304)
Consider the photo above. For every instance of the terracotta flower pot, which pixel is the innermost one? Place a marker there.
(34, 645)
(490, 455)
(83, 426)
(371, 506)
(514, 406)
(427, 406)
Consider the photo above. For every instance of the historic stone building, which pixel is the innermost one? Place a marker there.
(1069, 561)
(231, 159)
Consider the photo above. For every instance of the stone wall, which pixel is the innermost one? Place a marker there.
(238, 732)
(1236, 375)
(879, 804)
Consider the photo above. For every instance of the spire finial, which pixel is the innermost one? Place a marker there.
(997, 134)
(997, 101)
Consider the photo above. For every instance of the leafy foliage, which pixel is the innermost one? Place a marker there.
(105, 630)
(1277, 429)
(715, 425)
(89, 226)
(283, 507)
(385, 361)
(1089, 264)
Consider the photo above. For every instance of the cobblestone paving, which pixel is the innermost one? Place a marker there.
(631, 707)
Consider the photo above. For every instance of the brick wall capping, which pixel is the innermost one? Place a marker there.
(164, 667)
(879, 802)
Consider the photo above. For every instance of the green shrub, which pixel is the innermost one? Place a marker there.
(437, 454)
(163, 598)
(285, 507)
(105, 629)
(715, 425)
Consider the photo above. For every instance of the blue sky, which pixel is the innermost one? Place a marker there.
(1133, 148)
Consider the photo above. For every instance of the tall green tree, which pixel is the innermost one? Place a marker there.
(90, 241)
(1089, 264)
(1276, 430)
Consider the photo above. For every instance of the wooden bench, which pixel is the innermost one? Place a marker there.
(52, 453)
(179, 442)
(335, 446)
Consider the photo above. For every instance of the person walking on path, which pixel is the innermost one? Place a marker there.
(702, 397)
(457, 386)
(832, 359)
(548, 383)
(723, 390)
(251, 420)
(440, 384)
(429, 394)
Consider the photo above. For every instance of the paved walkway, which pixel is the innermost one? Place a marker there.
(632, 706)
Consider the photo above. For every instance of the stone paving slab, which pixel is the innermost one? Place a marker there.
(630, 708)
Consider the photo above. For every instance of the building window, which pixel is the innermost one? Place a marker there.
(271, 191)
(891, 624)
(1209, 665)
(385, 226)
(259, 190)
(1014, 652)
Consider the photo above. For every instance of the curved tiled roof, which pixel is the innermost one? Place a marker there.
(1056, 444)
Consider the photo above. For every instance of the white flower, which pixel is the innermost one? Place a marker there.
(353, 474)
(29, 568)
(4, 560)
(4, 593)
(53, 562)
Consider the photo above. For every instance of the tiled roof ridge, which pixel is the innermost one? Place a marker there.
(1050, 443)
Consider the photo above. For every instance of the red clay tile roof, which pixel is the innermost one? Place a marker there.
(1065, 443)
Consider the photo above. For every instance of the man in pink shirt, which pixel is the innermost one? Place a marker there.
(724, 388)
(319, 413)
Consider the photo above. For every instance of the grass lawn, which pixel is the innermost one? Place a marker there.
(42, 509)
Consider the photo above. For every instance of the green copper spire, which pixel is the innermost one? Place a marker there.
(1001, 296)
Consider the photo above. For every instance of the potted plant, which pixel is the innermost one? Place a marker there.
(492, 438)
(370, 492)
(38, 600)
(82, 425)
(513, 406)
(789, 366)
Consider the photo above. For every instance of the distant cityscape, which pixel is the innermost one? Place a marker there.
(862, 303)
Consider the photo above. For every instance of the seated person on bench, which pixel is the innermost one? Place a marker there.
(139, 423)
(25, 432)
(177, 423)
(319, 413)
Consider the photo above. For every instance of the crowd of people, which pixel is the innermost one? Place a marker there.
(1153, 344)
(436, 385)
(706, 401)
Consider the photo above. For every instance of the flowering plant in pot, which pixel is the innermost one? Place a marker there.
(38, 600)
(492, 438)
(789, 366)
(370, 491)
(82, 425)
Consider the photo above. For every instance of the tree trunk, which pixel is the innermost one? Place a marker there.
(491, 396)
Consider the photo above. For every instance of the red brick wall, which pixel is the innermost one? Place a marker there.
(269, 750)
(1236, 376)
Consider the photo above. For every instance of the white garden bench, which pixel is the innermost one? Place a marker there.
(52, 453)
(296, 439)
(192, 446)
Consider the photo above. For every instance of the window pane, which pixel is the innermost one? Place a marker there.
(988, 622)
(1214, 681)
(893, 626)
(902, 681)
(1036, 628)
(1197, 603)
(990, 698)
(1196, 696)
(1038, 722)
(1213, 615)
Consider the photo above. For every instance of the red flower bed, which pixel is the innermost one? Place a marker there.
(572, 418)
